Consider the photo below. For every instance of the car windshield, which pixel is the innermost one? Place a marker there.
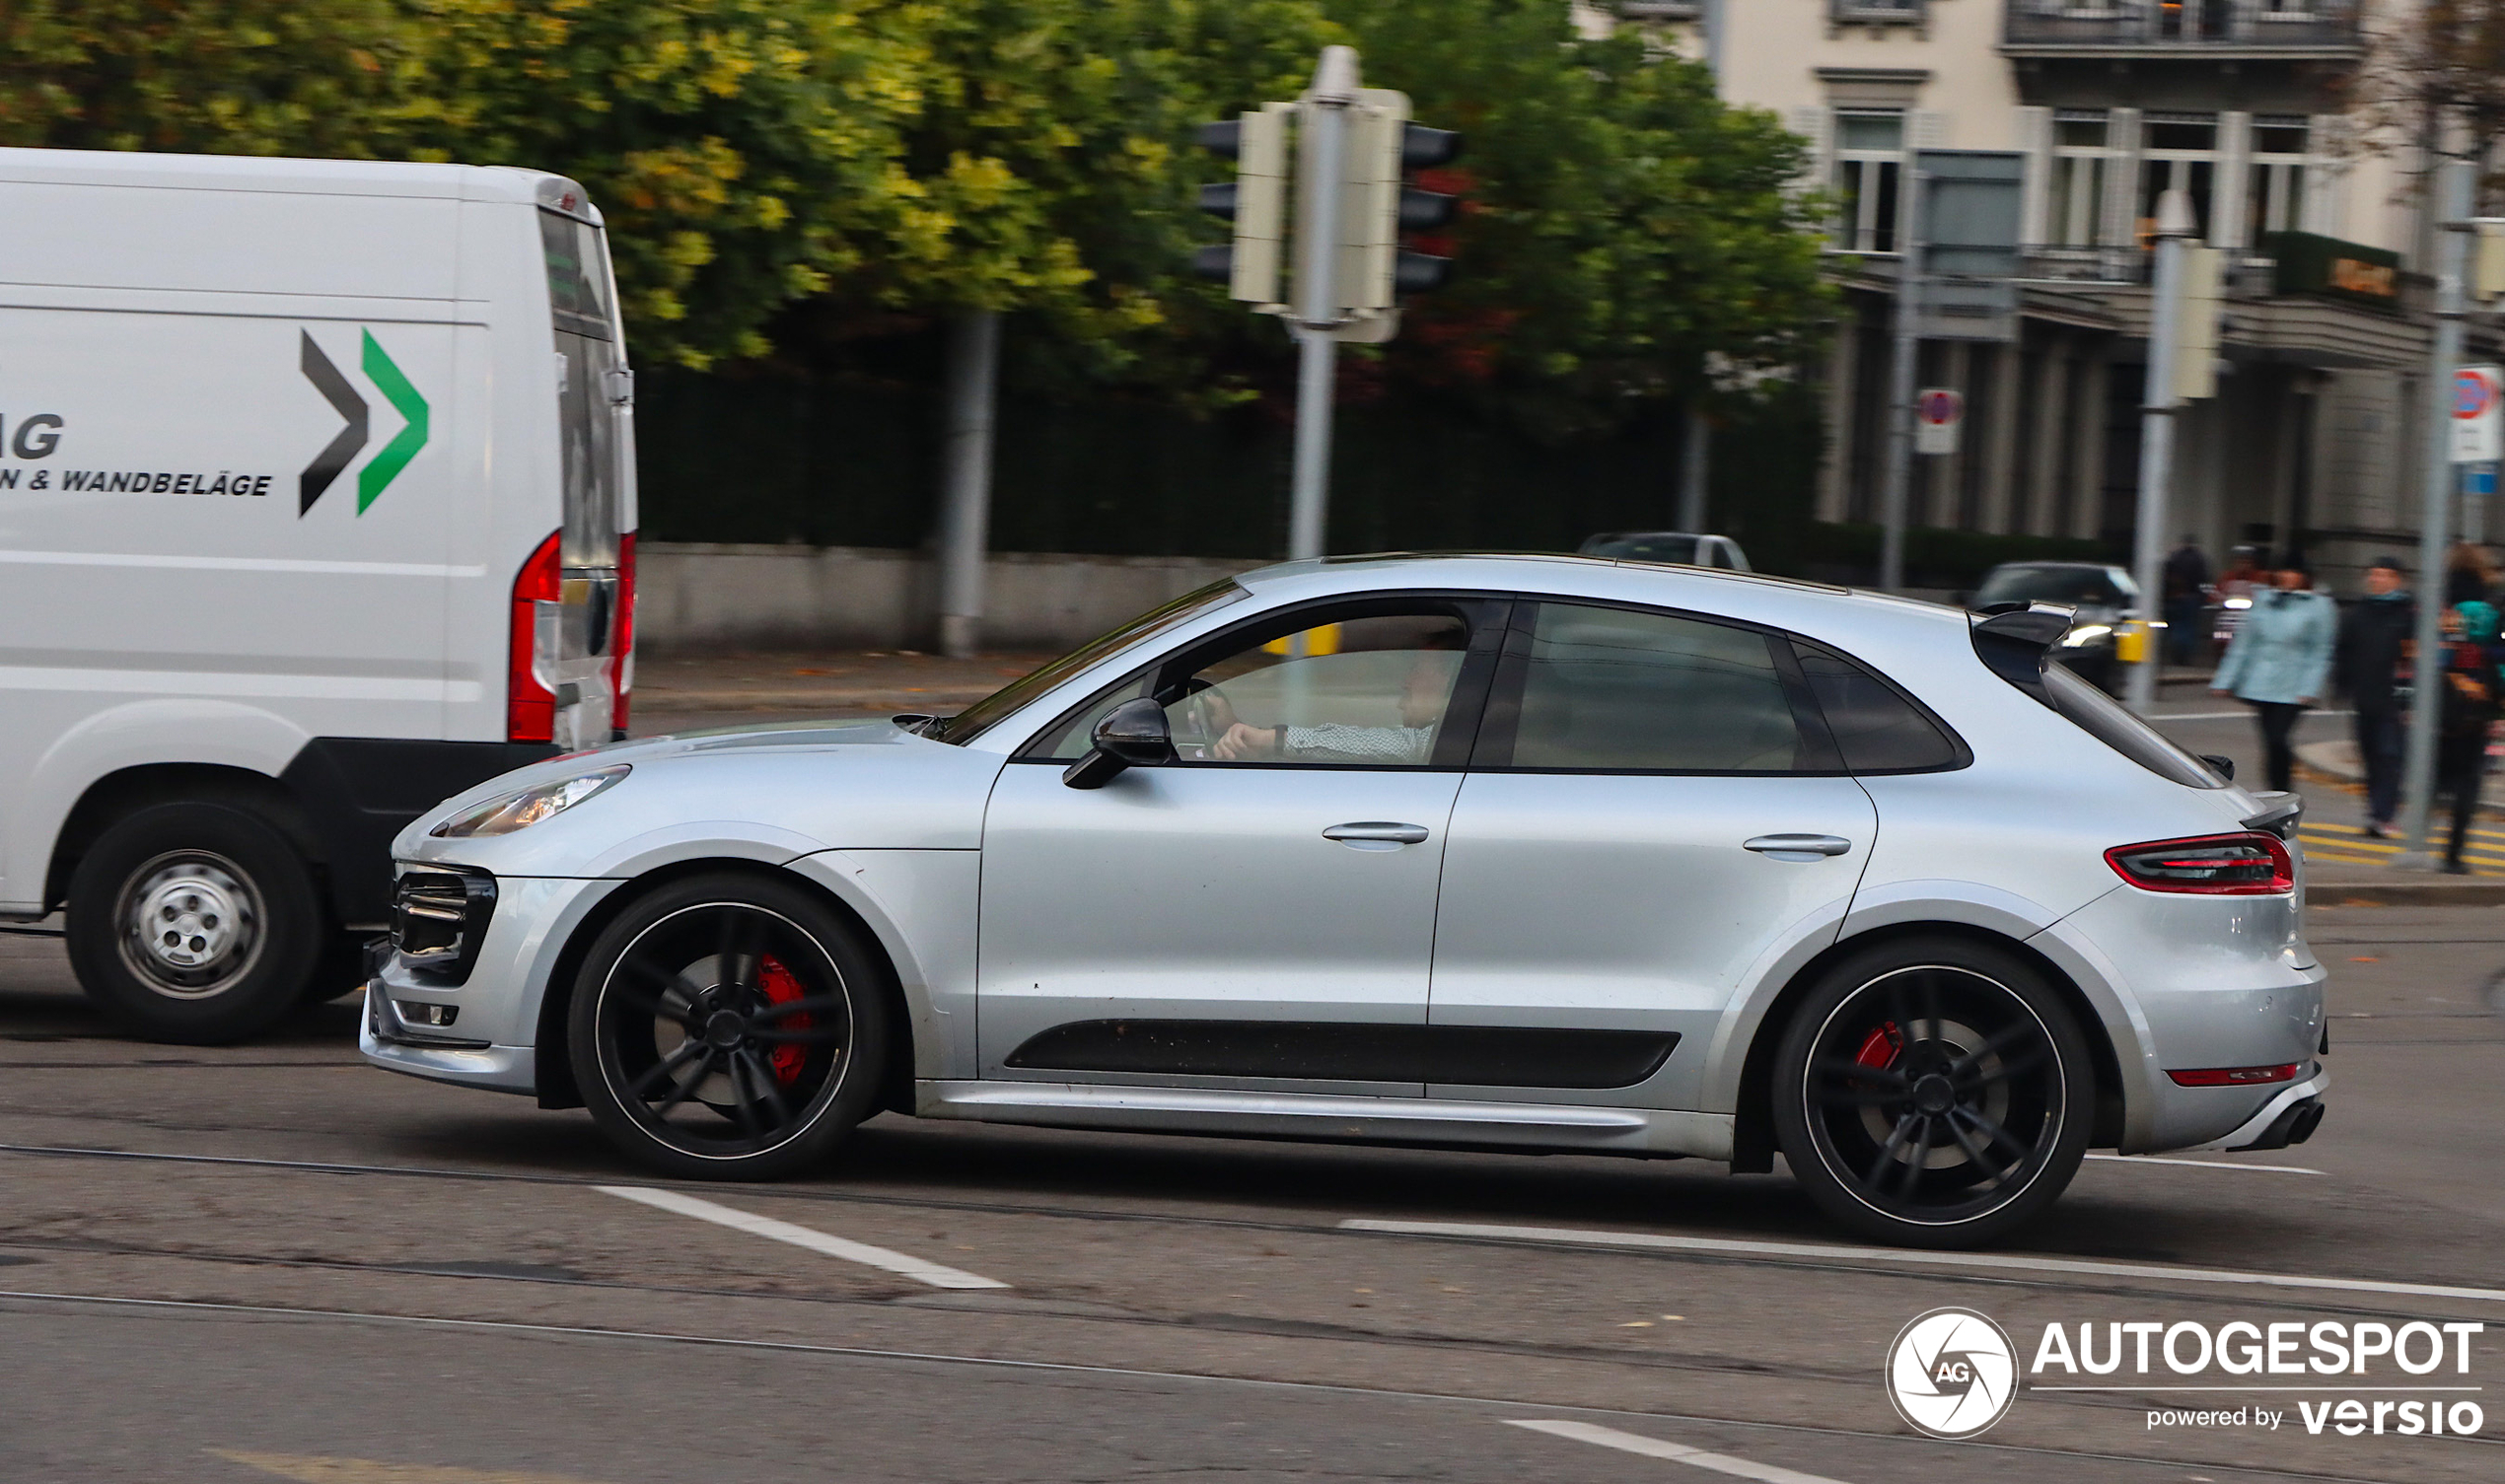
(2028, 583)
(984, 715)
(1661, 547)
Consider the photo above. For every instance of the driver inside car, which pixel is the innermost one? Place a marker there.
(1329, 702)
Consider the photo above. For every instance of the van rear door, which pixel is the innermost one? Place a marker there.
(588, 660)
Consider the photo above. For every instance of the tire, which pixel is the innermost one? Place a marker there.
(730, 1027)
(337, 969)
(194, 922)
(1933, 1092)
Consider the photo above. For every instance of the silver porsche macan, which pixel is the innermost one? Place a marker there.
(1557, 854)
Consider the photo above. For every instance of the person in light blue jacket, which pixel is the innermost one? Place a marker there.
(2279, 661)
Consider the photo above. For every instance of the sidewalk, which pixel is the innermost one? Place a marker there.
(845, 682)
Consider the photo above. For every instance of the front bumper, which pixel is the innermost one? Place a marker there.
(387, 1040)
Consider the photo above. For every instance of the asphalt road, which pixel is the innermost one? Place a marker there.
(273, 1262)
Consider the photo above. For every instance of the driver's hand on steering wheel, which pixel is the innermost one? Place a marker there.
(1243, 744)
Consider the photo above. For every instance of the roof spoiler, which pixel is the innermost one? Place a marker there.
(2280, 815)
(2014, 640)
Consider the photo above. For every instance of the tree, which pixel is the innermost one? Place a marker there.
(1624, 238)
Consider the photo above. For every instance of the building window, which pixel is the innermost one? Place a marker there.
(2178, 151)
(2079, 145)
(2275, 199)
(1869, 175)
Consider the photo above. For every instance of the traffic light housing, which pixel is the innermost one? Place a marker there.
(1386, 148)
(1254, 201)
(2196, 331)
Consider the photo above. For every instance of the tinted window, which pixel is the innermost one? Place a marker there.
(1661, 547)
(1876, 728)
(576, 278)
(1607, 688)
(1367, 692)
(2102, 718)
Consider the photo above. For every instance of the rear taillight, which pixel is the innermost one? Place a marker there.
(2245, 863)
(2233, 1077)
(621, 653)
(530, 675)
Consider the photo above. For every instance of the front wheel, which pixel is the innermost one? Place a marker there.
(1933, 1092)
(729, 1027)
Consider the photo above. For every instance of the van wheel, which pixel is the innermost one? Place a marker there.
(193, 923)
(1933, 1092)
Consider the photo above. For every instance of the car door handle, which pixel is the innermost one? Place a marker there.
(1376, 834)
(1789, 846)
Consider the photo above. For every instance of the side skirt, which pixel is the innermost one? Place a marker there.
(1550, 1128)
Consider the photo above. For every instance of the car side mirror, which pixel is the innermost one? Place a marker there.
(2224, 765)
(1132, 735)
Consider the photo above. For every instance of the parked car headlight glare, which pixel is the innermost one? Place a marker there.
(2086, 633)
(524, 807)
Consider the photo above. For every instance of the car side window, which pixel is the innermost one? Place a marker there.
(1369, 692)
(1875, 727)
(1618, 689)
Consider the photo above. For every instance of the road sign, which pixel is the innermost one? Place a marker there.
(2479, 478)
(2479, 414)
(1939, 413)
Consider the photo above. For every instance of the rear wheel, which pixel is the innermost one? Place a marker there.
(194, 922)
(729, 1027)
(1933, 1092)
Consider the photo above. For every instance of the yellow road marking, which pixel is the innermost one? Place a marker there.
(314, 1470)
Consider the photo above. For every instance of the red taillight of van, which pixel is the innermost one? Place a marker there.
(530, 690)
(621, 653)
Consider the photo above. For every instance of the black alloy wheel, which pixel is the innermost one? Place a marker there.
(1934, 1093)
(729, 1027)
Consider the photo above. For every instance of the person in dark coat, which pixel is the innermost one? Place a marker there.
(2469, 705)
(2187, 595)
(2374, 635)
(2468, 576)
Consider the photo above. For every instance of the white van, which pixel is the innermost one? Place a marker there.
(317, 505)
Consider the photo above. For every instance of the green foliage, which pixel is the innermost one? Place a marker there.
(1624, 235)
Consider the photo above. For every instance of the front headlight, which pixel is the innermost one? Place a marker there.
(524, 807)
(2086, 633)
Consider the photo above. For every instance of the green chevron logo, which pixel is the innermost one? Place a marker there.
(384, 466)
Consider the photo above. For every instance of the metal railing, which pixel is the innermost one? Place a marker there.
(2245, 272)
(1879, 11)
(2191, 25)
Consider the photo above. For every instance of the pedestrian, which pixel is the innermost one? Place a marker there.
(2374, 638)
(2186, 575)
(2278, 662)
(2467, 714)
(2469, 575)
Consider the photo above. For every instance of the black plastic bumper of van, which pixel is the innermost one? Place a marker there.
(358, 792)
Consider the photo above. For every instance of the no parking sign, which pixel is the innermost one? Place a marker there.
(2479, 414)
(1938, 414)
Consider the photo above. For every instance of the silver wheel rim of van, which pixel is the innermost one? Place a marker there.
(191, 924)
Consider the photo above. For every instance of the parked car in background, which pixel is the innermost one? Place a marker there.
(317, 505)
(1685, 548)
(2102, 595)
(1535, 852)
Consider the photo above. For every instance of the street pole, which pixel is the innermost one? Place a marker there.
(1320, 174)
(1694, 457)
(2158, 406)
(973, 380)
(2417, 780)
(1898, 474)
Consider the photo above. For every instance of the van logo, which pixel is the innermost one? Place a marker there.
(386, 466)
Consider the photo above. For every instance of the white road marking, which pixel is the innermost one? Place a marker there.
(1677, 1452)
(2206, 1164)
(1920, 1258)
(898, 1263)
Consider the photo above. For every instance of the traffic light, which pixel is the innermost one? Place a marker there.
(2197, 332)
(1254, 201)
(2488, 262)
(1384, 149)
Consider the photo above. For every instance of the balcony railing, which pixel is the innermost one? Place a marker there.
(2246, 272)
(2193, 27)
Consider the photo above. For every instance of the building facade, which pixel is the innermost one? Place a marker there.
(2312, 446)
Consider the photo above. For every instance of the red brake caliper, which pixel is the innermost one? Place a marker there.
(1882, 1049)
(783, 988)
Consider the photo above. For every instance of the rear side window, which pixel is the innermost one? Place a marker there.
(576, 276)
(1878, 730)
(2102, 718)
(1612, 689)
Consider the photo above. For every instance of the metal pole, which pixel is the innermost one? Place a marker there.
(1715, 41)
(2417, 780)
(1322, 171)
(1695, 455)
(973, 379)
(1898, 477)
(2158, 406)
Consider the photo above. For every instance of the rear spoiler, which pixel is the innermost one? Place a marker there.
(2279, 815)
(2014, 640)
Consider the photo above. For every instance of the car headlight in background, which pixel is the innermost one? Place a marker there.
(2086, 633)
(524, 807)
(2236, 602)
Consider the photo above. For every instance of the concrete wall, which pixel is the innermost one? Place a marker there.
(693, 595)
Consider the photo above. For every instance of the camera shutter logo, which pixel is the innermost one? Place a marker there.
(1952, 1372)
